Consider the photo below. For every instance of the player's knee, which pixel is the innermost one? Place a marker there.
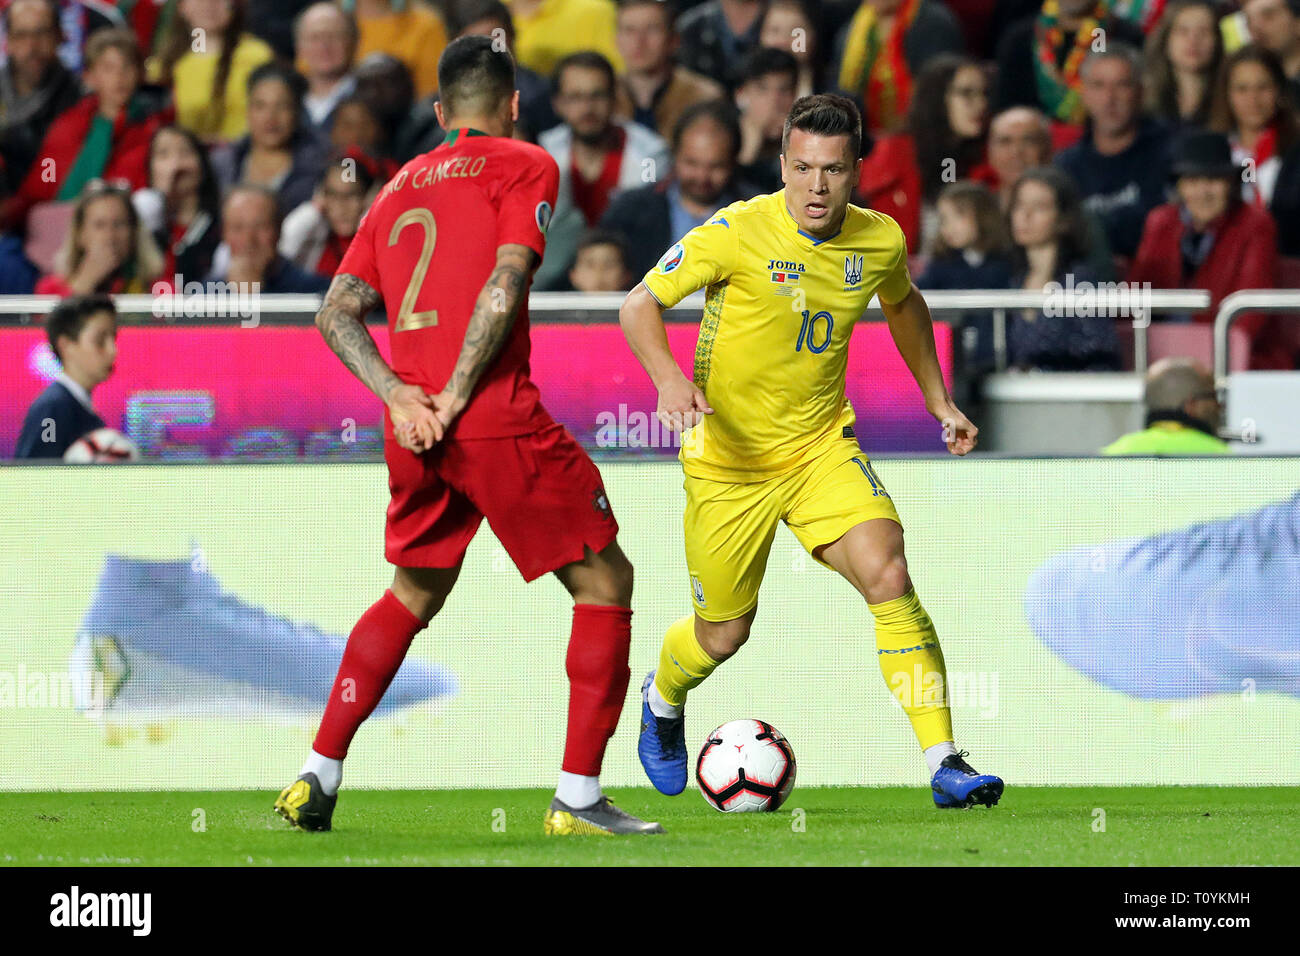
(721, 639)
(610, 582)
(423, 591)
(890, 580)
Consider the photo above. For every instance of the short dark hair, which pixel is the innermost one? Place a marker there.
(70, 316)
(825, 114)
(586, 60)
(667, 6)
(474, 76)
(718, 112)
(464, 12)
(274, 70)
(768, 60)
(601, 237)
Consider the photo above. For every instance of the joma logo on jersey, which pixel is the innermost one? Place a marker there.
(852, 270)
(780, 265)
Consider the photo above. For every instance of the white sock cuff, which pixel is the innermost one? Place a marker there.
(934, 756)
(660, 707)
(577, 790)
(327, 770)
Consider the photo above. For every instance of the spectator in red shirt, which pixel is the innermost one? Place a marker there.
(1253, 107)
(598, 154)
(1020, 138)
(107, 248)
(947, 124)
(104, 136)
(1208, 238)
(315, 236)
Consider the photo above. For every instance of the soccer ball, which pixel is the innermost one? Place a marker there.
(745, 766)
(100, 446)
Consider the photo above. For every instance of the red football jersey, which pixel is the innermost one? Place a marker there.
(429, 243)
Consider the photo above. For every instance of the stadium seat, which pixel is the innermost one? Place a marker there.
(1188, 339)
(47, 227)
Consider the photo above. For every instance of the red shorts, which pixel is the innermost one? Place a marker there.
(542, 496)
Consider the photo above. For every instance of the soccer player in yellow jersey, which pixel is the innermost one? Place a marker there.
(771, 433)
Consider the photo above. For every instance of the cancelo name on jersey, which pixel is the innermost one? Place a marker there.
(461, 167)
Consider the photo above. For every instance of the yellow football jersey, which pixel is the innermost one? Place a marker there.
(779, 313)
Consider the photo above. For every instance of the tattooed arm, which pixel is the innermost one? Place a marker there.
(341, 321)
(494, 314)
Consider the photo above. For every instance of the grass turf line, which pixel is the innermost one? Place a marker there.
(877, 826)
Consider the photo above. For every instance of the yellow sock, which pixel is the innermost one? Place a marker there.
(912, 663)
(682, 662)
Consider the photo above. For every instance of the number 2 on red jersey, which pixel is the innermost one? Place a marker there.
(407, 318)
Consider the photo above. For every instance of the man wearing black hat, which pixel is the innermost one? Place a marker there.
(1207, 238)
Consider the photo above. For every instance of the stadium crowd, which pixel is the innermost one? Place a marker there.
(1017, 142)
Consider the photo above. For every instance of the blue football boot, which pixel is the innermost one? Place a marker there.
(662, 746)
(956, 784)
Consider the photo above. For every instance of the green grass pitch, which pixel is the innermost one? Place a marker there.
(1034, 826)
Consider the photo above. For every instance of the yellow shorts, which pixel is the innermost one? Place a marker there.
(730, 526)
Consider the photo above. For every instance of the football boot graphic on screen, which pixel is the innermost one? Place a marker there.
(161, 638)
(1213, 608)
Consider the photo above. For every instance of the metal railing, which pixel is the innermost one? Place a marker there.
(1117, 299)
(1231, 309)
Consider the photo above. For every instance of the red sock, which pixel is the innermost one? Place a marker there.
(598, 676)
(375, 650)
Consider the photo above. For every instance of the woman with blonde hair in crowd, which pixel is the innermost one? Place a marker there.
(107, 248)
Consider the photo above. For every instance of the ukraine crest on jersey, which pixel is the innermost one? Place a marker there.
(779, 312)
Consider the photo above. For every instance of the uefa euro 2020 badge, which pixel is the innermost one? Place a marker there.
(672, 258)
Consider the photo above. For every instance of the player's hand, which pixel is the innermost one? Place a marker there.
(682, 405)
(959, 434)
(447, 406)
(415, 425)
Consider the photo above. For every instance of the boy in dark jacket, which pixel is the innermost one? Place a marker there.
(83, 334)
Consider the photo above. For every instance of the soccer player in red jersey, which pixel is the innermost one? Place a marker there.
(449, 247)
